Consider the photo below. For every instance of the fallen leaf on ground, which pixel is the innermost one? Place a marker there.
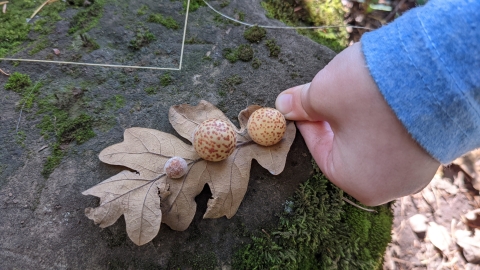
(418, 223)
(147, 197)
(439, 236)
(444, 184)
(472, 219)
(470, 244)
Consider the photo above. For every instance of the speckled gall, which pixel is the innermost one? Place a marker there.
(266, 126)
(176, 167)
(214, 140)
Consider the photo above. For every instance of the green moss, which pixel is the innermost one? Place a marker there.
(150, 90)
(166, 79)
(228, 85)
(39, 45)
(65, 129)
(314, 13)
(20, 137)
(22, 84)
(142, 10)
(194, 5)
(168, 22)
(243, 52)
(241, 16)
(230, 54)
(256, 63)
(319, 231)
(78, 129)
(18, 82)
(89, 43)
(53, 160)
(254, 34)
(87, 18)
(14, 28)
(224, 3)
(273, 48)
(142, 38)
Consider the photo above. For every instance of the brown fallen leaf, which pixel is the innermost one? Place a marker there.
(470, 244)
(147, 197)
(472, 219)
(438, 236)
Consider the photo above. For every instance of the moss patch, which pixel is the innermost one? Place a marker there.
(15, 29)
(168, 22)
(143, 37)
(254, 34)
(256, 63)
(243, 52)
(87, 17)
(194, 5)
(65, 115)
(228, 85)
(18, 82)
(314, 13)
(273, 48)
(319, 231)
(22, 84)
(166, 79)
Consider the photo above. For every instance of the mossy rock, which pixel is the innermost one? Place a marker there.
(318, 230)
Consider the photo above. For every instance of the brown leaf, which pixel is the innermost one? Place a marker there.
(439, 236)
(133, 196)
(150, 197)
(470, 244)
(472, 219)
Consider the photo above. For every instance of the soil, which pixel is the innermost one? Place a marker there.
(43, 225)
(446, 207)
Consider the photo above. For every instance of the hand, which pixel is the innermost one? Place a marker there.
(353, 135)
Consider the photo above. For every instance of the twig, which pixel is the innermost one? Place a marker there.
(4, 9)
(41, 6)
(358, 206)
(3, 72)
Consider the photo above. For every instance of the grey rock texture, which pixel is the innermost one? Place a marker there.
(42, 221)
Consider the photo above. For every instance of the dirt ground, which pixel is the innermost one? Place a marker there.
(443, 207)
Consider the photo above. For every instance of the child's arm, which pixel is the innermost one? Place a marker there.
(359, 129)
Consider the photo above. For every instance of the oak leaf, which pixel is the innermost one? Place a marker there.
(147, 197)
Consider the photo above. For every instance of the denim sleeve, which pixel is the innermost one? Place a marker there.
(427, 66)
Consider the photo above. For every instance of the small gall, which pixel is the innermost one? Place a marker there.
(176, 167)
(214, 140)
(266, 126)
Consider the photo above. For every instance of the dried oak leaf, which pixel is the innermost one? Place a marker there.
(147, 197)
(439, 236)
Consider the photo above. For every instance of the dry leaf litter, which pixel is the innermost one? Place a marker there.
(147, 197)
(438, 228)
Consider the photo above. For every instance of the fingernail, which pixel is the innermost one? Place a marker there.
(284, 103)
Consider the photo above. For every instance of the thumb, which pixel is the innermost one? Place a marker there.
(294, 104)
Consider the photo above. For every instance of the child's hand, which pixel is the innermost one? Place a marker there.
(353, 135)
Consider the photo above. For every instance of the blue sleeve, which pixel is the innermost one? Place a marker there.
(427, 66)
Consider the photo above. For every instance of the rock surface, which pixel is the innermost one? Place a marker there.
(43, 225)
